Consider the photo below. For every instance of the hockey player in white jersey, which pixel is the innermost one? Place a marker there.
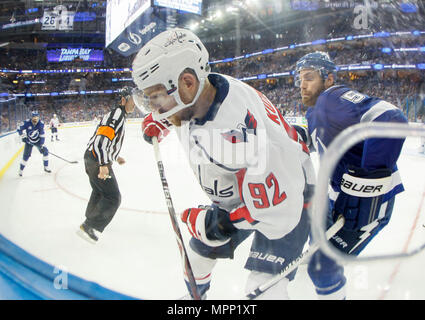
(249, 161)
(54, 124)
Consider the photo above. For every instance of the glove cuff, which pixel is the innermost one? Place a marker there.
(365, 187)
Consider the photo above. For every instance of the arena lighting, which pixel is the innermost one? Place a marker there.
(320, 41)
(266, 51)
(353, 67)
(231, 9)
(408, 7)
(386, 50)
(381, 34)
(194, 26)
(67, 70)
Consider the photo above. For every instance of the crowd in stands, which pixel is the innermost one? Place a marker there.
(402, 92)
(402, 88)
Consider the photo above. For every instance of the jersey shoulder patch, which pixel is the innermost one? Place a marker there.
(353, 96)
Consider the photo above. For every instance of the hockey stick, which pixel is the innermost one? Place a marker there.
(63, 158)
(54, 154)
(174, 222)
(296, 262)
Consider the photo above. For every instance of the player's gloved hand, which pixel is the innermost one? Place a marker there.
(361, 196)
(209, 224)
(152, 128)
(24, 138)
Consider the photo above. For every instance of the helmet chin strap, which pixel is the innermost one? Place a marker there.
(180, 104)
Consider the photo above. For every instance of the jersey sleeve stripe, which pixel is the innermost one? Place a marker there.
(241, 213)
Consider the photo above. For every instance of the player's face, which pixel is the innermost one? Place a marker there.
(311, 85)
(35, 120)
(158, 100)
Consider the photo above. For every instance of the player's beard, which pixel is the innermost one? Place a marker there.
(311, 98)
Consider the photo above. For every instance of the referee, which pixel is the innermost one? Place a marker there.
(104, 148)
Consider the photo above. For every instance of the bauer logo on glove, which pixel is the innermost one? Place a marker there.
(361, 196)
(361, 187)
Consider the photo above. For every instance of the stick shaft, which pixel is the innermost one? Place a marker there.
(62, 158)
(174, 222)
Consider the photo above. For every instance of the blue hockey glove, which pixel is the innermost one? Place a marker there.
(43, 149)
(361, 196)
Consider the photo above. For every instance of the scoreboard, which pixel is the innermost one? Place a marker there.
(59, 18)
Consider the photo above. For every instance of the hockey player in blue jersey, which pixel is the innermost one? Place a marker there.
(333, 108)
(32, 134)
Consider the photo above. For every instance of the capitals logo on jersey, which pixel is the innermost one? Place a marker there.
(219, 191)
(241, 135)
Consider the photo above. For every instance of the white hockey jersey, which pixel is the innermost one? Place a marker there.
(248, 159)
(54, 123)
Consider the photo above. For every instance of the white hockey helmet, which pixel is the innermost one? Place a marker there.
(162, 60)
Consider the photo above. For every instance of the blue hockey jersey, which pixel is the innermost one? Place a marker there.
(339, 107)
(35, 134)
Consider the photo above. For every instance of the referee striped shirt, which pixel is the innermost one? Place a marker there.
(106, 142)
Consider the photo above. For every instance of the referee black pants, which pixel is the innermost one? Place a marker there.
(105, 198)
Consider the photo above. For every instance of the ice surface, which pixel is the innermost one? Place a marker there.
(138, 254)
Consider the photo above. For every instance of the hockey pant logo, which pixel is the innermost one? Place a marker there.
(266, 257)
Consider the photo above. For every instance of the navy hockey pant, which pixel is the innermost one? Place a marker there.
(268, 256)
(28, 150)
(105, 198)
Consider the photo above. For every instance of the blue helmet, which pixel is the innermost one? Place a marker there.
(319, 61)
(35, 114)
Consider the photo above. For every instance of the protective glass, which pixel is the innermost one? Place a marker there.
(156, 100)
(297, 76)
